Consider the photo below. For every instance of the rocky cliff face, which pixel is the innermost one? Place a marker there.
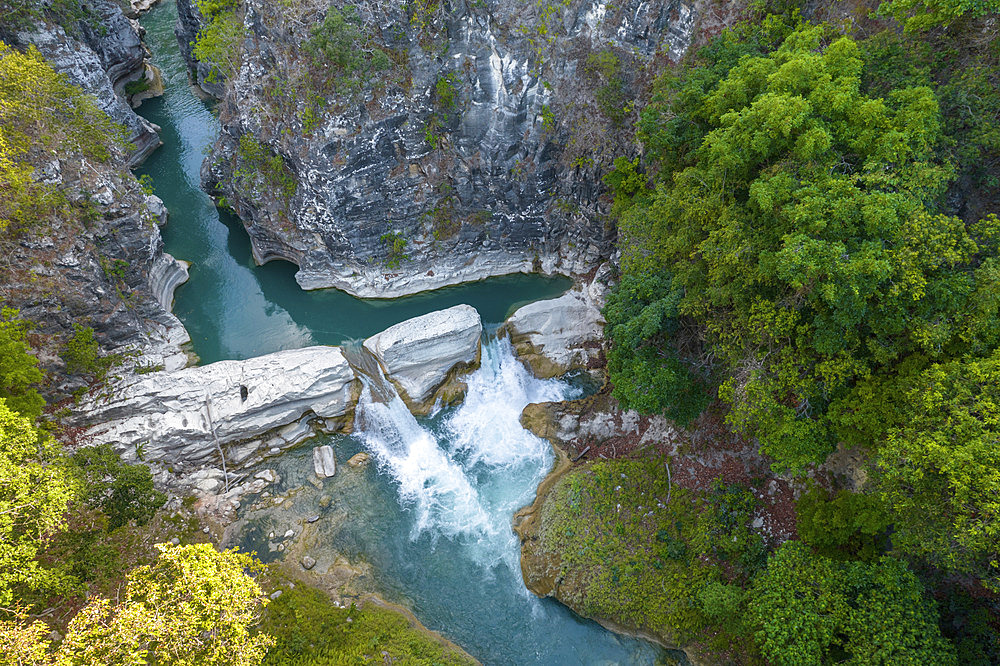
(189, 23)
(469, 140)
(105, 55)
(102, 266)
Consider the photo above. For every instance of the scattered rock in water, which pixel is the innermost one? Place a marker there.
(324, 462)
(312, 519)
(289, 534)
(325, 501)
(270, 535)
(267, 475)
(359, 459)
(308, 562)
(278, 500)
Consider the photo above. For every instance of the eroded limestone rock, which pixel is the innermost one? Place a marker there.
(418, 354)
(174, 417)
(560, 334)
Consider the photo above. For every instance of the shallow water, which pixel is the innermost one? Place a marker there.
(432, 515)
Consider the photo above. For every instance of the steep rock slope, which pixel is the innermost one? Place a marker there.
(98, 261)
(447, 142)
(104, 53)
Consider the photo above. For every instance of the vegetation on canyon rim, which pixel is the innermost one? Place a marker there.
(790, 246)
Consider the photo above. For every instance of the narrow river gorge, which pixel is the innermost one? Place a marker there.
(428, 525)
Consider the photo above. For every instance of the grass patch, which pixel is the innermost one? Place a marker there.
(638, 552)
(628, 554)
(310, 630)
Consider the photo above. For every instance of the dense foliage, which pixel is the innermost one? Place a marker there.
(797, 216)
(312, 631)
(34, 494)
(219, 42)
(811, 232)
(807, 609)
(41, 111)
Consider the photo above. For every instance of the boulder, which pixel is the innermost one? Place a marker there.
(169, 416)
(359, 459)
(324, 462)
(559, 334)
(418, 354)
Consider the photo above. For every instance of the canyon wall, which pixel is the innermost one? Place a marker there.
(466, 139)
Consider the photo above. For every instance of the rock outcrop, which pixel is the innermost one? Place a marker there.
(261, 406)
(419, 354)
(189, 23)
(98, 263)
(108, 55)
(183, 417)
(476, 150)
(560, 334)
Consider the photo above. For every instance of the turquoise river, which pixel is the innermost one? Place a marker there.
(432, 517)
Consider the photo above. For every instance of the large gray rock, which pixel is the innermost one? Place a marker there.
(169, 416)
(418, 354)
(506, 179)
(560, 334)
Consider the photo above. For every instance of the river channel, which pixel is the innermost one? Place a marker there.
(431, 517)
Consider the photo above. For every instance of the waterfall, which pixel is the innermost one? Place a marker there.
(452, 471)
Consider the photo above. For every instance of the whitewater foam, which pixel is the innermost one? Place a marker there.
(455, 472)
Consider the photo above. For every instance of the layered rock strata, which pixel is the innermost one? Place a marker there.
(102, 59)
(418, 354)
(233, 413)
(476, 150)
(184, 417)
(561, 334)
(104, 269)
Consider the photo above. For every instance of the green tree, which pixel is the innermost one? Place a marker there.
(219, 42)
(918, 15)
(19, 373)
(34, 492)
(643, 365)
(796, 217)
(939, 468)
(123, 492)
(194, 606)
(808, 609)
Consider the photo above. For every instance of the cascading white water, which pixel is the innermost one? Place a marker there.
(453, 473)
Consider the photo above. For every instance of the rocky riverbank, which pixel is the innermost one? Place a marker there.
(202, 427)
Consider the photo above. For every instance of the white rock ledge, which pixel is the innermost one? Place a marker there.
(418, 353)
(169, 416)
(560, 334)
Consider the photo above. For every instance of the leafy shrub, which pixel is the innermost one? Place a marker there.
(122, 491)
(219, 42)
(395, 245)
(309, 630)
(19, 373)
